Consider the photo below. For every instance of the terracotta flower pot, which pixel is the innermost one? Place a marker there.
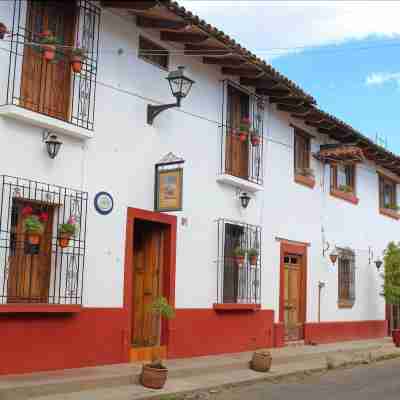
(239, 260)
(76, 64)
(49, 52)
(255, 140)
(153, 377)
(253, 260)
(33, 238)
(63, 241)
(396, 337)
(243, 136)
(261, 361)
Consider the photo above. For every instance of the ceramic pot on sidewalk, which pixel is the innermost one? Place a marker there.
(261, 361)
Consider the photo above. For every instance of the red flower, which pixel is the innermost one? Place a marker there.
(246, 120)
(44, 216)
(26, 211)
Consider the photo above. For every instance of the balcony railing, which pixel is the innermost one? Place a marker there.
(43, 272)
(238, 282)
(242, 157)
(36, 84)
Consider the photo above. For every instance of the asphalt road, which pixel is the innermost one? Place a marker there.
(379, 381)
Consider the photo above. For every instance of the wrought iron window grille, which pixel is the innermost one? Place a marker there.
(243, 159)
(238, 283)
(80, 107)
(347, 275)
(45, 273)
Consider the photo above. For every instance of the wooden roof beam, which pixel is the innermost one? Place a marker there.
(134, 5)
(250, 72)
(227, 61)
(183, 37)
(195, 50)
(291, 101)
(324, 125)
(158, 23)
(262, 83)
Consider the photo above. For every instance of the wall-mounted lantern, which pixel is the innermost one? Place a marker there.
(333, 256)
(378, 262)
(244, 199)
(180, 87)
(53, 144)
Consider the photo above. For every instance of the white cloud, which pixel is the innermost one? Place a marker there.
(379, 78)
(261, 25)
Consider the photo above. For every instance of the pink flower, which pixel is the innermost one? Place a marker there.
(71, 220)
(26, 211)
(44, 216)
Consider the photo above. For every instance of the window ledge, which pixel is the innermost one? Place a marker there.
(239, 182)
(40, 308)
(44, 121)
(349, 197)
(345, 304)
(236, 307)
(389, 213)
(305, 180)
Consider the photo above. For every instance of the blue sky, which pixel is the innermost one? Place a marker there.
(345, 53)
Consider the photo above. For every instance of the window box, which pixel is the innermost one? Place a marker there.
(236, 307)
(345, 304)
(390, 213)
(239, 183)
(308, 181)
(40, 308)
(349, 197)
(44, 121)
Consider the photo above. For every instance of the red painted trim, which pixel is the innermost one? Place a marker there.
(349, 197)
(279, 334)
(329, 332)
(389, 213)
(40, 308)
(291, 248)
(305, 181)
(236, 307)
(169, 268)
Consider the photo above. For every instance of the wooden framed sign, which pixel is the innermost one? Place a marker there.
(168, 191)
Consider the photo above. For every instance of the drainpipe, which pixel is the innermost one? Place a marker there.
(321, 285)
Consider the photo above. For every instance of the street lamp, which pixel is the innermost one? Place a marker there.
(180, 86)
(53, 144)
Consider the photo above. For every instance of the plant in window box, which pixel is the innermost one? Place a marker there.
(393, 207)
(308, 172)
(48, 45)
(345, 188)
(33, 225)
(244, 129)
(154, 375)
(78, 55)
(255, 138)
(239, 255)
(66, 231)
(253, 256)
(3, 30)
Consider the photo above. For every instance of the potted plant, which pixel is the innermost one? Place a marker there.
(253, 256)
(48, 43)
(3, 30)
(78, 55)
(33, 225)
(393, 207)
(345, 188)
(66, 231)
(154, 375)
(255, 138)
(391, 285)
(261, 361)
(239, 255)
(244, 129)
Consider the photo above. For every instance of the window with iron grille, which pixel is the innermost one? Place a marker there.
(302, 145)
(387, 193)
(50, 87)
(238, 281)
(346, 278)
(153, 53)
(343, 177)
(242, 133)
(44, 270)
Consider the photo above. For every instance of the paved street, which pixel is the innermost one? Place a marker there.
(377, 381)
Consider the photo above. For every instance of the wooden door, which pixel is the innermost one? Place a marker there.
(46, 86)
(293, 297)
(148, 271)
(236, 151)
(29, 265)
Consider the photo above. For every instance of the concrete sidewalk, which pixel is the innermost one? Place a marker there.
(120, 382)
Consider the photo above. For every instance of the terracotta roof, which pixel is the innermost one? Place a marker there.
(339, 153)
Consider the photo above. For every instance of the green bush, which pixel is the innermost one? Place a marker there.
(33, 225)
(239, 252)
(391, 276)
(67, 229)
(161, 307)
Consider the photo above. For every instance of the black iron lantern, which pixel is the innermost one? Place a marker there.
(378, 263)
(334, 256)
(180, 87)
(244, 199)
(53, 145)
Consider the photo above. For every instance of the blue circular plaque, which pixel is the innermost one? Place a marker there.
(103, 203)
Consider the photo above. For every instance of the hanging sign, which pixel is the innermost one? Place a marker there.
(168, 183)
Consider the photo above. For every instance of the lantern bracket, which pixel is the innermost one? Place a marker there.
(153, 111)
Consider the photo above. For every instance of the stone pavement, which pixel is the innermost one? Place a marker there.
(120, 382)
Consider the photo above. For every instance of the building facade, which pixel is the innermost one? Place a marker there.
(317, 188)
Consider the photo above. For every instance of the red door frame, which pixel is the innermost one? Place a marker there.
(301, 250)
(169, 263)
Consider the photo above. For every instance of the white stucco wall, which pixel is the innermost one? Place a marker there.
(120, 159)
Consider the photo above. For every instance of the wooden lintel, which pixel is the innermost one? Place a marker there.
(158, 23)
(241, 71)
(263, 83)
(293, 109)
(195, 50)
(322, 125)
(135, 5)
(227, 61)
(183, 37)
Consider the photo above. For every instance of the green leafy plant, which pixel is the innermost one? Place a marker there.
(49, 39)
(245, 125)
(346, 188)
(391, 276)
(253, 252)
(239, 252)
(33, 225)
(162, 308)
(67, 229)
(79, 52)
(394, 207)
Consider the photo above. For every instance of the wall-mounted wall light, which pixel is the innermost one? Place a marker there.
(333, 256)
(244, 199)
(53, 144)
(180, 87)
(378, 262)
